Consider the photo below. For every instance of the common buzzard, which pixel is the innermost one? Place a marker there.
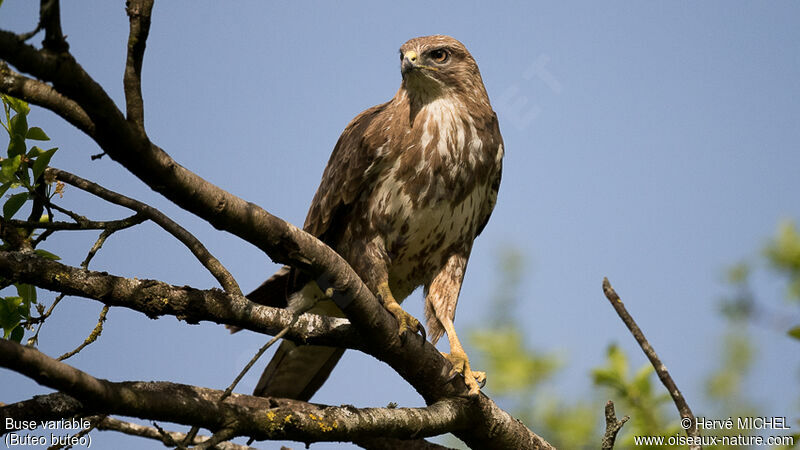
(409, 186)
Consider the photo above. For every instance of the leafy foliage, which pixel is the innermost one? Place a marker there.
(22, 168)
(519, 373)
(783, 253)
(782, 256)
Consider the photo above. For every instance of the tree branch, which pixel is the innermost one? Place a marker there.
(126, 144)
(89, 339)
(612, 426)
(243, 415)
(214, 266)
(83, 225)
(139, 15)
(649, 351)
(50, 20)
(44, 95)
(133, 429)
(155, 298)
(393, 444)
(417, 362)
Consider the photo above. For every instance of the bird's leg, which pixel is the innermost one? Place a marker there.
(458, 358)
(441, 297)
(405, 321)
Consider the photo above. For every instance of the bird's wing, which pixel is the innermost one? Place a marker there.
(350, 171)
(346, 176)
(496, 142)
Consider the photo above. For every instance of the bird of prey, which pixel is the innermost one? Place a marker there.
(410, 184)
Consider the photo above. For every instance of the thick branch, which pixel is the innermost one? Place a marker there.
(417, 362)
(393, 444)
(244, 415)
(649, 351)
(155, 299)
(129, 146)
(181, 234)
(44, 95)
(43, 407)
(279, 239)
(139, 14)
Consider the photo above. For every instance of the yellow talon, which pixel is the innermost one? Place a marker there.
(405, 321)
(473, 379)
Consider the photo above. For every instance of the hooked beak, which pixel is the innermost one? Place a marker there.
(410, 62)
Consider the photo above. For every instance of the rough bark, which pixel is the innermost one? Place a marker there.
(76, 97)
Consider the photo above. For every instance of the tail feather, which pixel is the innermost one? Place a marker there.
(297, 371)
(275, 290)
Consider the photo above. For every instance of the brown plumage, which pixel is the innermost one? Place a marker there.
(409, 186)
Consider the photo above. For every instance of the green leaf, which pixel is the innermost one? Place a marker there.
(14, 204)
(37, 134)
(23, 175)
(617, 361)
(9, 167)
(17, 333)
(41, 162)
(34, 152)
(47, 255)
(27, 292)
(4, 188)
(794, 332)
(9, 314)
(738, 273)
(641, 381)
(19, 124)
(16, 146)
(19, 106)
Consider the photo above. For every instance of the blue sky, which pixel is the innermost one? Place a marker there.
(653, 143)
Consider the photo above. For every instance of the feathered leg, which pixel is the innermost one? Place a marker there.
(441, 297)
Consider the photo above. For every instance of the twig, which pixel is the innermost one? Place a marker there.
(255, 358)
(202, 254)
(218, 437)
(166, 438)
(661, 369)
(34, 340)
(612, 426)
(112, 228)
(75, 216)
(42, 237)
(92, 336)
(139, 16)
(76, 436)
(133, 429)
(193, 432)
(82, 225)
(50, 21)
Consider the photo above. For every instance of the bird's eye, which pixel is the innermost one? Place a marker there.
(439, 56)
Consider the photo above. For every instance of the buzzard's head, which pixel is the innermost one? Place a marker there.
(437, 65)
